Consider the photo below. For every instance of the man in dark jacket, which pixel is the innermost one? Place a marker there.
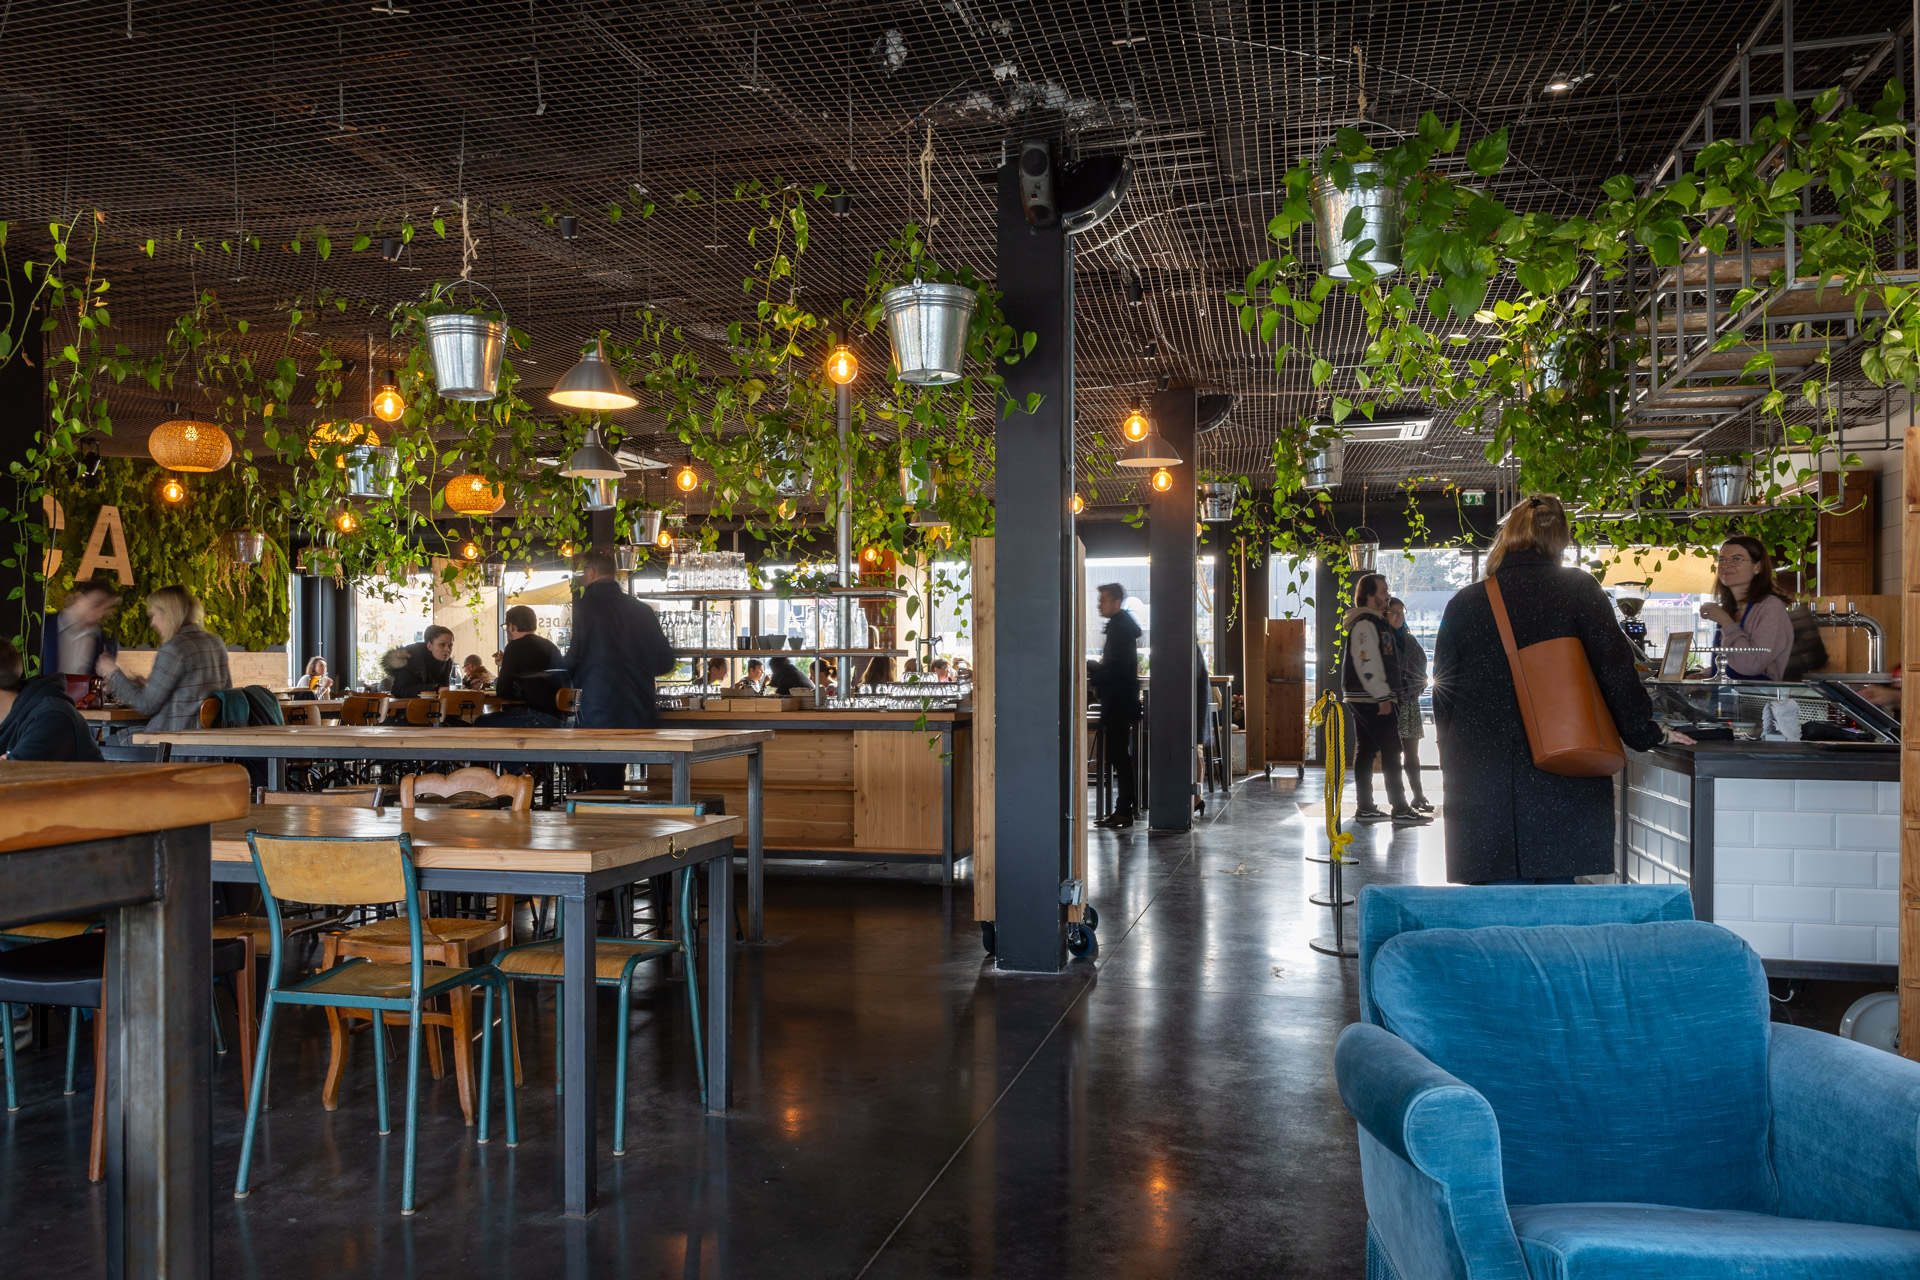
(429, 666)
(1116, 682)
(37, 719)
(618, 648)
(526, 662)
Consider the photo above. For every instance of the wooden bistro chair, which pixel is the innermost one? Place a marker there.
(367, 871)
(362, 708)
(462, 706)
(452, 941)
(67, 972)
(423, 711)
(259, 928)
(614, 962)
(306, 713)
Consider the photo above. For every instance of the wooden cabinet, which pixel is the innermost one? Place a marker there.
(1286, 700)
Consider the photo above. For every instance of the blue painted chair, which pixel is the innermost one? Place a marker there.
(346, 871)
(1582, 1083)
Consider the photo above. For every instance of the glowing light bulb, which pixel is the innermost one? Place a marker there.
(1136, 426)
(346, 522)
(172, 491)
(566, 551)
(388, 403)
(686, 479)
(871, 555)
(787, 508)
(469, 550)
(1079, 504)
(1162, 480)
(842, 365)
(664, 540)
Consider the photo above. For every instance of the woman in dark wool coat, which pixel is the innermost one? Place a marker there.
(1507, 821)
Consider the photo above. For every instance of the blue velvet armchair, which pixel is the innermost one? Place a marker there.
(1582, 1083)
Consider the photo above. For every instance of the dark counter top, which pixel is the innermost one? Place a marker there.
(1865, 761)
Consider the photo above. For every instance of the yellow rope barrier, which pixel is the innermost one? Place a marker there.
(1334, 760)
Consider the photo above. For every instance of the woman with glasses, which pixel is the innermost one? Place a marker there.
(1750, 612)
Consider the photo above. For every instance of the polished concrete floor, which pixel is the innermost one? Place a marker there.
(903, 1110)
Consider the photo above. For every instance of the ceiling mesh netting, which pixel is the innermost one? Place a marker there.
(221, 120)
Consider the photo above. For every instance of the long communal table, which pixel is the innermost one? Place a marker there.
(679, 748)
(573, 858)
(131, 840)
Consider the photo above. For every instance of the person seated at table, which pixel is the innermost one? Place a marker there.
(825, 676)
(531, 672)
(942, 670)
(879, 671)
(474, 673)
(37, 719)
(717, 672)
(617, 652)
(316, 678)
(190, 667)
(429, 668)
(755, 681)
(911, 671)
(783, 677)
(71, 642)
(962, 669)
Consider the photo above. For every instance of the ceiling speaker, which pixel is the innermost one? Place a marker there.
(1036, 183)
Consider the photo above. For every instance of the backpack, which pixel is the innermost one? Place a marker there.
(1809, 652)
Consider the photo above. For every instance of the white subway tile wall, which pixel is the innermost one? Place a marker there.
(1819, 879)
(1658, 820)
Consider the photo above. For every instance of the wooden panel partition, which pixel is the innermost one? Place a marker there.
(1910, 764)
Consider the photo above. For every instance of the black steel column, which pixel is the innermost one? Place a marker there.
(1033, 598)
(1172, 716)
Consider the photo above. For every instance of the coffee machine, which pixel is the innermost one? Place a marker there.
(1630, 600)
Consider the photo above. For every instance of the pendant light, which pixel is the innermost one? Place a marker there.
(172, 492)
(1162, 480)
(388, 404)
(1079, 504)
(469, 550)
(686, 479)
(474, 495)
(188, 444)
(1145, 448)
(593, 461)
(592, 384)
(354, 435)
(346, 522)
(842, 365)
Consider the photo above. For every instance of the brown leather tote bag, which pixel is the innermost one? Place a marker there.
(1569, 727)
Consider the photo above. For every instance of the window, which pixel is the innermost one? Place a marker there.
(388, 615)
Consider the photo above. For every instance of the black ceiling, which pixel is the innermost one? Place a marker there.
(214, 116)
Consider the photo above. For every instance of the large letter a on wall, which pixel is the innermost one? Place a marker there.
(106, 525)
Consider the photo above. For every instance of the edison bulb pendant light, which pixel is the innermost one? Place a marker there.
(346, 522)
(469, 550)
(1162, 480)
(388, 403)
(842, 365)
(1079, 504)
(172, 491)
(686, 479)
(1136, 426)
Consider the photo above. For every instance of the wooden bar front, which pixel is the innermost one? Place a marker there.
(873, 788)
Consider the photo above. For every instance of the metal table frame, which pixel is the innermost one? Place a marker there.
(576, 891)
(276, 755)
(154, 890)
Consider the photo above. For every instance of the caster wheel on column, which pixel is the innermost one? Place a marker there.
(986, 935)
(1082, 943)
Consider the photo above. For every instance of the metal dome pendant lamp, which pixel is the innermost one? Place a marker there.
(1145, 450)
(593, 384)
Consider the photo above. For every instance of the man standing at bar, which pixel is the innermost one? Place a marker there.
(1116, 682)
(618, 649)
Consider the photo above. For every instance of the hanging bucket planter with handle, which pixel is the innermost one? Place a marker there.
(1726, 484)
(245, 546)
(371, 471)
(1364, 552)
(1322, 468)
(1360, 220)
(646, 527)
(1217, 499)
(928, 324)
(921, 496)
(466, 350)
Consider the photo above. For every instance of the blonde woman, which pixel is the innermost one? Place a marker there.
(1507, 821)
(190, 666)
(317, 679)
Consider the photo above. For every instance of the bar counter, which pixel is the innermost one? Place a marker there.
(1792, 845)
(854, 786)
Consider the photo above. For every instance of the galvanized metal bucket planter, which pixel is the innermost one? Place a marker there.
(921, 496)
(646, 527)
(1364, 553)
(1217, 499)
(371, 471)
(1323, 468)
(1377, 224)
(602, 491)
(244, 546)
(466, 352)
(928, 324)
(1726, 484)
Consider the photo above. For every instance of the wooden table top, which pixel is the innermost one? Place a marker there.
(447, 741)
(487, 839)
(44, 804)
(110, 714)
(905, 719)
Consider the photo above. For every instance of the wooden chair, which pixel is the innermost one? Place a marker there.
(462, 706)
(614, 962)
(260, 929)
(362, 708)
(333, 797)
(449, 940)
(357, 873)
(307, 713)
(209, 712)
(423, 711)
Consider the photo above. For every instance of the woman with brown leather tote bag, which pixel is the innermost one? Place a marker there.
(1568, 724)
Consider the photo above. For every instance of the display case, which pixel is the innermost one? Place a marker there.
(1834, 702)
